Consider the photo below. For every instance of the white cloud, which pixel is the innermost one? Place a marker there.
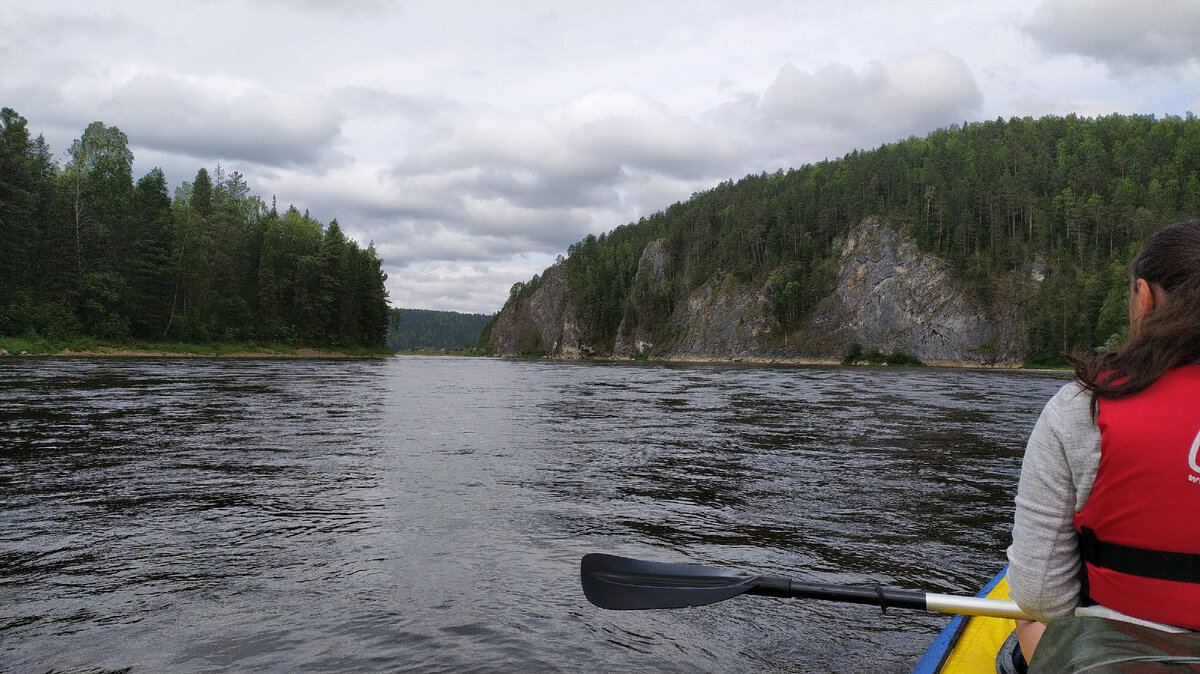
(1124, 35)
(465, 288)
(221, 116)
(213, 117)
(540, 183)
(833, 109)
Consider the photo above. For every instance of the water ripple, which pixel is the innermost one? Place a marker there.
(428, 514)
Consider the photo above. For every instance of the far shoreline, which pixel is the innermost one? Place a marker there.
(249, 352)
(223, 351)
(769, 361)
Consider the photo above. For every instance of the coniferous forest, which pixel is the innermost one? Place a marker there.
(424, 329)
(1070, 198)
(87, 251)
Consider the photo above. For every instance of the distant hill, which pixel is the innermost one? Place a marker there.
(423, 329)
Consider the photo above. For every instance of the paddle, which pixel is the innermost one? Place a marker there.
(622, 583)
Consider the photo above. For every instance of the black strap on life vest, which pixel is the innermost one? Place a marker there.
(1182, 567)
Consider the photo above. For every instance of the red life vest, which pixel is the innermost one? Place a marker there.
(1140, 528)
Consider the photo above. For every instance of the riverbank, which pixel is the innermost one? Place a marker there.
(765, 360)
(16, 347)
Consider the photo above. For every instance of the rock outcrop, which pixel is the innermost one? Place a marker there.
(724, 320)
(534, 325)
(892, 297)
(889, 296)
(650, 286)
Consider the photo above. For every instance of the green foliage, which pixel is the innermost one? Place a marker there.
(425, 330)
(856, 355)
(530, 344)
(94, 255)
(150, 269)
(102, 295)
(600, 274)
(36, 345)
(1112, 326)
(522, 290)
(201, 200)
(797, 292)
(1071, 197)
(87, 344)
(484, 346)
(24, 316)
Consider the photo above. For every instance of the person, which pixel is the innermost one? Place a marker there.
(1107, 518)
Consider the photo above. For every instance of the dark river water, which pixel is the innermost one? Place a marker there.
(429, 514)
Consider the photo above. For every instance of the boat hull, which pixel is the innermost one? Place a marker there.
(969, 644)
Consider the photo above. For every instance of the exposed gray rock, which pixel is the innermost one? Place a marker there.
(723, 320)
(545, 322)
(535, 323)
(633, 338)
(889, 296)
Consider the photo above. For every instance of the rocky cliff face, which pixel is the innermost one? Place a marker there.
(541, 324)
(634, 337)
(889, 297)
(724, 320)
(892, 297)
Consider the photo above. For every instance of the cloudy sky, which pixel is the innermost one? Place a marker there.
(474, 141)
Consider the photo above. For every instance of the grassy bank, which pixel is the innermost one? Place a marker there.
(86, 346)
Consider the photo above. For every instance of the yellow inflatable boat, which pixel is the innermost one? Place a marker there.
(973, 644)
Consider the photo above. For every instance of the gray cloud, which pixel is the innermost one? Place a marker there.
(470, 289)
(93, 26)
(528, 187)
(207, 120)
(543, 182)
(1123, 35)
(832, 109)
(472, 184)
(372, 102)
(223, 119)
(352, 9)
(427, 243)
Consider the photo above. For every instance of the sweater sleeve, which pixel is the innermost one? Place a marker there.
(1056, 478)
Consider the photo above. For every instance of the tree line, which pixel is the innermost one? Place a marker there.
(423, 329)
(1068, 197)
(87, 251)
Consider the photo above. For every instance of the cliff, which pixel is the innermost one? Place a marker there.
(888, 296)
(542, 324)
(892, 297)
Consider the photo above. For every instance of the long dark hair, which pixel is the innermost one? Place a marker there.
(1169, 335)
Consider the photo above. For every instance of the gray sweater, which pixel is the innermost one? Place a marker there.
(1056, 480)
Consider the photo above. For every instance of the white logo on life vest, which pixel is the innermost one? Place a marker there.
(1192, 456)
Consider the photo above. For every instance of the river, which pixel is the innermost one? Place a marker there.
(420, 514)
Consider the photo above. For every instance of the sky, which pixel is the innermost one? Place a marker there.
(472, 142)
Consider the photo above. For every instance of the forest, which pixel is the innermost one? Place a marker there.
(1068, 197)
(88, 251)
(423, 329)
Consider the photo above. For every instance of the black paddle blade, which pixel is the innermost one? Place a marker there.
(622, 583)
